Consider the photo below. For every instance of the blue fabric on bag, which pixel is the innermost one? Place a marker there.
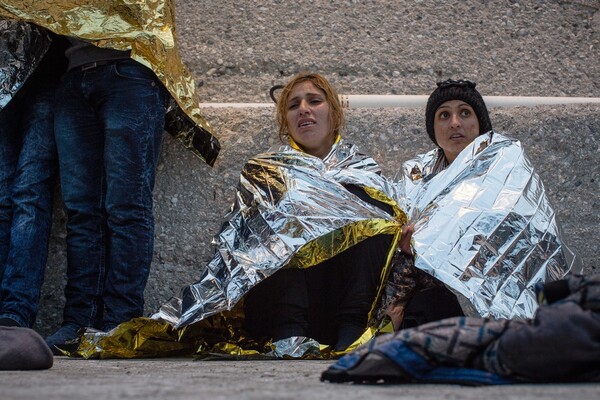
(348, 361)
(419, 369)
(422, 371)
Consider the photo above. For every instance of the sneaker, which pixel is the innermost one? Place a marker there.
(65, 339)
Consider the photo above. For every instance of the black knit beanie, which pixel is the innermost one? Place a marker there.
(457, 90)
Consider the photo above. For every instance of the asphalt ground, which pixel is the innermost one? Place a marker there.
(177, 378)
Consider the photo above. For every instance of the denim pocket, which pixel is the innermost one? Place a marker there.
(130, 69)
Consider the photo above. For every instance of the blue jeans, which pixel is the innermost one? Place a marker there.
(109, 125)
(27, 178)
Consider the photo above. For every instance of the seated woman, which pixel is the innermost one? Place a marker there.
(303, 253)
(482, 223)
(330, 301)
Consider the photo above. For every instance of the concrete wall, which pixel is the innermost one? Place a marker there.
(191, 198)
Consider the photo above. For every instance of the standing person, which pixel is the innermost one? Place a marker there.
(28, 165)
(123, 65)
(110, 117)
(482, 222)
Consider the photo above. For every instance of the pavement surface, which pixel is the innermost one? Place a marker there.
(215, 380)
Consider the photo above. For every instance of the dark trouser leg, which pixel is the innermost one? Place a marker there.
(360, 271)
(342, 291)
(134, 122)
(10, 146)
(277, 307)
(32, 195)
(431, 304)
(80, 144)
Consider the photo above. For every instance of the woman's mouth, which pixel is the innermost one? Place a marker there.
(305, 123)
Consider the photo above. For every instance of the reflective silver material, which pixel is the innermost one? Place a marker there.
(484, 225)
(22, 47)
(286, 202)
(296, 347)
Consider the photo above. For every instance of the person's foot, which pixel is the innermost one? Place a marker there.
(9, 322)
(66, 338)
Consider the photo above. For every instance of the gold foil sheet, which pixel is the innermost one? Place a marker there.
(147, 29)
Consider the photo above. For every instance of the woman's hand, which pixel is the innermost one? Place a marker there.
(407, 232)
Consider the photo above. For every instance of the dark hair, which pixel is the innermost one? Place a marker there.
(336, 114)
(457, 90)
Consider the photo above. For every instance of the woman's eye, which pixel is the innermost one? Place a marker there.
(466, 113)
(291, 106)
(444, 114)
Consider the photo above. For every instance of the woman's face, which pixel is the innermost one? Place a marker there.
(455, 126)
(308, 119)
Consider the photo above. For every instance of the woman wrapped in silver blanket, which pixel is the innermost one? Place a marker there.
(483, 226)
(330, 301)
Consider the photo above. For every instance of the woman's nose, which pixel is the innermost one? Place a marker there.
(454, 121)
(303, 107)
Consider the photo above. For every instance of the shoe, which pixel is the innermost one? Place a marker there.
(66, 339)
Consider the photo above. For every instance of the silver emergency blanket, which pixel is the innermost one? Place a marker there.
(22, 47)
(484, 225)
(291, 209)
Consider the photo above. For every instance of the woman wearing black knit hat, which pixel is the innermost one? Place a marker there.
(478, 213)
(455, 115)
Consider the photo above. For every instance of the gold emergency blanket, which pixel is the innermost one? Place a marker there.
(484, 226)
(291, 209)
(147, 29)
